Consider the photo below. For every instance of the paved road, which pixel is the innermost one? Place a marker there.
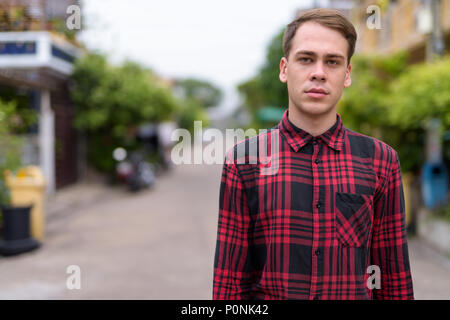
(158, 244)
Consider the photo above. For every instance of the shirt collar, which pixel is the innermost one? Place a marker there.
(297, 138)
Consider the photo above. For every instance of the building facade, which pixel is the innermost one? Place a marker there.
(37, 52)
(404, 25)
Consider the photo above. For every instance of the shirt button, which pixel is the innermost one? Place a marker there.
(317, 252)
(318, 205)
(314, 141)
(317, 161)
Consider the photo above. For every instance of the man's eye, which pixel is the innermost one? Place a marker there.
(305, 60)
(333, 62)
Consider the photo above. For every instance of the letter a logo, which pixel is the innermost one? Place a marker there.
(374, 281)
(374, 19)
(74, 280)
(74, 20)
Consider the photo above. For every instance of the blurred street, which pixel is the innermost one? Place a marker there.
(157, 244)
(113, 86)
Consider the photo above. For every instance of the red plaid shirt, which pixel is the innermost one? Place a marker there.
(333, 208)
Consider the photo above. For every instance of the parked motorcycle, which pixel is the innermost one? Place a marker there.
(134, 170)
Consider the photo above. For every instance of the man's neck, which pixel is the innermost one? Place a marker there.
(315, 125)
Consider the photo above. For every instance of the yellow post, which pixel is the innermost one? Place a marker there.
(28, 188)
(407, 180)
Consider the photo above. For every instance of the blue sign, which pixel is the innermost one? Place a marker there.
(27, 47)
(434, 184)
(56, 52)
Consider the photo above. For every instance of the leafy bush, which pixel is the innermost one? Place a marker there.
(203, 92)
(265, 89)
(443, 211)
(420, 94)
(363, 105)
(189, 112)
(111, 102)
(10, 147)
(367, 104)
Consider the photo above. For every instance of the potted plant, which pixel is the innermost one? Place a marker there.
(15, 221)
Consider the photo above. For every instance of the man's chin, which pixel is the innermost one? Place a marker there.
(314, 109)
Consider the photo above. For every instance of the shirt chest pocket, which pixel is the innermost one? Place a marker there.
(353, 218)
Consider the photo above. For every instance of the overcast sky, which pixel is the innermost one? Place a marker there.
(222, 41)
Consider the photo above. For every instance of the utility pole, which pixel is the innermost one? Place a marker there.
(436, 44)
(434, 173)
(435, 49)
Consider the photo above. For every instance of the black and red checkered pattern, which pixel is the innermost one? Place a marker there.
(334, 207)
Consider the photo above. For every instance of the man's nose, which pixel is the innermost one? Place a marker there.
(318, 73)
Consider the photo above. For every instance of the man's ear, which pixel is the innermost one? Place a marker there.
(283, 70)
(348, 78)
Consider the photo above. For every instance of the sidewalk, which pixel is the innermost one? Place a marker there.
(155, 244)
(78, 196)
(430, 271)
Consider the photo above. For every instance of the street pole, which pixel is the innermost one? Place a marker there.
(436, 44)
(435, 49)
(434, 188)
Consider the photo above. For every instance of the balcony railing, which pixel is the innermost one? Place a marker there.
(36, 15)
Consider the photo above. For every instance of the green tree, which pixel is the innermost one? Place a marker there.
(365, 106)
(265, 88)
(23, 117)
(420, 94)
(274, 92)
(251, 91)
(203, 92)
(111, 102)
(189, 112)
(10, 146)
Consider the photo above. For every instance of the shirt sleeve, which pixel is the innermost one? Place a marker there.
(389, 243)
(232, 270)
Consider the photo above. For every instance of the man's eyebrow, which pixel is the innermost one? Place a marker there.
(312, 53)
(335, 55)
(305, 52)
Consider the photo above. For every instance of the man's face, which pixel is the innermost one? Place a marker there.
(316, 70)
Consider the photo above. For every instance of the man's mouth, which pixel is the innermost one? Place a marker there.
(316, 93)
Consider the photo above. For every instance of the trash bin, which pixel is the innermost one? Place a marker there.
(16, 231)
(434, 184)
(27, 188)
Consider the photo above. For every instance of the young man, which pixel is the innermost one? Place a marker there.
(329, 223)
